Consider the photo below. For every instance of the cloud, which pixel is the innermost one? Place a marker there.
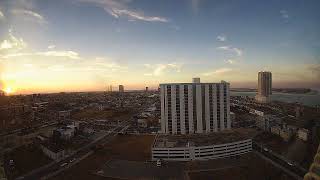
(12, 43)
(51, 46)
(218, 72)
(221, 38)
(1, 15)
(284, 14)
(159, 69)
(119, 8)
(230, 61)
(237, 51)
(29, 15)
(66, 54)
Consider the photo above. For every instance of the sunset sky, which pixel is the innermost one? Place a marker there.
(85, 45)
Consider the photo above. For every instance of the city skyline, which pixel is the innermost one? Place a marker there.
(86, 45)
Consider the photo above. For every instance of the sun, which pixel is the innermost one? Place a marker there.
(8, 90)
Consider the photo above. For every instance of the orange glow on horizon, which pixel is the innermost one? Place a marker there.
(8, 90)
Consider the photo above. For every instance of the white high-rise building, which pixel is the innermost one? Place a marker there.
(264, 87)
(188, 108)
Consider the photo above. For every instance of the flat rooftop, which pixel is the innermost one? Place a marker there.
(221, 137)
(193, 83)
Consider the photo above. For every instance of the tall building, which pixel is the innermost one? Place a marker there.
(188, 108)
(264, 87)
(147, 89)
(121, 88)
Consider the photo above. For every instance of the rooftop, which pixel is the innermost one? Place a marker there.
(222, 137)
(222, 82)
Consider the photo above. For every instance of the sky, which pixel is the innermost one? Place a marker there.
(87, 45)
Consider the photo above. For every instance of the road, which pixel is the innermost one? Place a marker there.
(46, 171)
(36, 127)
(292, 169)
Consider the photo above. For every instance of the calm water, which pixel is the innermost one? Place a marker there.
(306, 99)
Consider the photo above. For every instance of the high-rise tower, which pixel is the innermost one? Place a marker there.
(121, 88)
(188, 108)
(264, 87)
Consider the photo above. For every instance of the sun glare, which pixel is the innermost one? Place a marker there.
(8, 90)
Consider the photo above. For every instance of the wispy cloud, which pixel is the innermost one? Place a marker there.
(218, 72)
(1, 15)
(12, 43)
(29, 15)
(230, 61)
(69, 54)
(51, 46)
(284, 14)
(66, 54)
(119, 8)
(237, 51)
(222, 38)
(159, 69)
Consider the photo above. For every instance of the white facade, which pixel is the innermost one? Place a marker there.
(202, 152)
(188, 108)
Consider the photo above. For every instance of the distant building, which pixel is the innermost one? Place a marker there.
(286, 132)
(303, 134)
(53, 151)
(63, 115)
(142, 123)
(147, 89)
(299, 111)
(188, 108)
(66, 132)
(121, 88)
(264, 87)
(196, 80)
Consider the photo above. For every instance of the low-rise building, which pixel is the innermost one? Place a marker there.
(53, 151)
(142, 123)
(303, 134)
(64, 114)
(286, 132)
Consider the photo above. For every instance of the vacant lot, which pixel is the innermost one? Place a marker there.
(134, 148)
(272, 141)
(26, 159)
(108, 114)
(93, 113)
(121, 147)
(246, 167)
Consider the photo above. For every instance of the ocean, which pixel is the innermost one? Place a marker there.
(305, 99)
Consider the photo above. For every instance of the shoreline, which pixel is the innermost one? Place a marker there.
(311, 92)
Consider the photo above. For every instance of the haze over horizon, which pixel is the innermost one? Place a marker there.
(86, 45)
